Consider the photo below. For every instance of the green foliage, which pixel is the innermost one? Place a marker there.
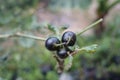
(16, 13)
(52, 75)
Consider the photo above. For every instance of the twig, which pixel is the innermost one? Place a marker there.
(60, 64)
(90, 26)
(19, 34)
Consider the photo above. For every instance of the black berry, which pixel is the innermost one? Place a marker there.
(50, 43)
(62, 53)
(69, 38)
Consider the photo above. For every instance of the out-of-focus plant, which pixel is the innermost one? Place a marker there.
(16, 13)
(104, 7)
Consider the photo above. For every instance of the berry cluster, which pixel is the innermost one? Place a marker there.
(54, 44)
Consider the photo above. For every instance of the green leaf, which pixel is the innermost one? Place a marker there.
(51, 27)
(89, 49)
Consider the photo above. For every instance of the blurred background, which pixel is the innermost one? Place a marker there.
(28, 59)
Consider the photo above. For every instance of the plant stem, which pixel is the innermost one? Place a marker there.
(90, 26)
(18, 34)
(60, 64)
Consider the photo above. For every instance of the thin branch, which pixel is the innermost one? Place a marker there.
(90, 26)
(60, 64)
(19, 34)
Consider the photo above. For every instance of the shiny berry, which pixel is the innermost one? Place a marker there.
(69, 38)
(62, 53)
(50, 43)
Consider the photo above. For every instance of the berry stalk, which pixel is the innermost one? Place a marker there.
(90, 26)
(19, 34)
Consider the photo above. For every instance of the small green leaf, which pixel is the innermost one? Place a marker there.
(51, 27)
(89, 49)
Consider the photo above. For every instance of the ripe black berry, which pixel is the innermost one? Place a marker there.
(69, 38)
(62, 53)
(50, 43)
